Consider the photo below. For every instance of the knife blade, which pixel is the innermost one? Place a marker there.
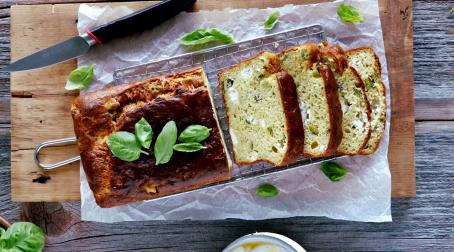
(135, 22)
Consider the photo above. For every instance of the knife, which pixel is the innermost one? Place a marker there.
(133, 23)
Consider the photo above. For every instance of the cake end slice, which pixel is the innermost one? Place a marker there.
(366, 63)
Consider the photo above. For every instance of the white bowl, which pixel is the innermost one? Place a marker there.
(281, 241)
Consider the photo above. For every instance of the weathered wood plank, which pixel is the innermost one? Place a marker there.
(434, 109)
(398, 38)
(54, 185)
(8, 209)
(34, 118)
(434, 57)
(5, 109)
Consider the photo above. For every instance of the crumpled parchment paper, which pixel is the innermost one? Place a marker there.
(364, 195)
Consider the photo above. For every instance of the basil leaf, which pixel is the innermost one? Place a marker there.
(333, 171)
(267, 190)
(204, 36)
(124, 146)
(163, 148)
(144, 133)
(194, 133)
(349, 14)
(222, 36)
(271, 21)
(188, 147)
(1, 232)
(369, 83)
(80, 78)
(23, 236)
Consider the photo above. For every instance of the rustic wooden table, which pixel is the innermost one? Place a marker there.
(423, 223)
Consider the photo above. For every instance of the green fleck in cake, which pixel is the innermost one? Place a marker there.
(366, 63)
(355, 106)
(262, 108)
(318, 99)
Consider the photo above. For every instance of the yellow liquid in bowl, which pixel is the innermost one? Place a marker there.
(258, 247)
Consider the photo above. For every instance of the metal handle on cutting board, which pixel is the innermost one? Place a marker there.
(50, 143)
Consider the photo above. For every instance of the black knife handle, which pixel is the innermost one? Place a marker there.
(138, 21)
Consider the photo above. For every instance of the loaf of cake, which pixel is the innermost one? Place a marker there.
(366, 63)
(318, 99)
(263, 116)
(355, 106)
(182, 97)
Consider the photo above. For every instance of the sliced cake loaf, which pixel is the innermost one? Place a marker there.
(366, 63)
(355, 106)
(262, 109)
(318, 99)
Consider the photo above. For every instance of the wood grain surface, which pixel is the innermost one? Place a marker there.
(422, 223)
(37, 105)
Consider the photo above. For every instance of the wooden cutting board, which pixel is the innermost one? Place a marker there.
(40, 105)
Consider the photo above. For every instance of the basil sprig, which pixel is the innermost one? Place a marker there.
(333, 171)
(188, 147)
(163, 148)
(22, 236)
(349, 14)
(128, 146)
(267, 190)
(271, 21)
(194, 133)
(80, 78)
(203, 36)
(144, 133)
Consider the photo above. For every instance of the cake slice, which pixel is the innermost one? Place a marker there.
(318, 99)
(366, 63)
(264, 120)
(181, 97)
(355, 106)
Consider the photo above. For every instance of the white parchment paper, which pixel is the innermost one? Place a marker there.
(364, 195)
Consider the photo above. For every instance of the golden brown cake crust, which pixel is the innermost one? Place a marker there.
(335, 115)
(339, 60)
(294, 122)
(158, 100)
